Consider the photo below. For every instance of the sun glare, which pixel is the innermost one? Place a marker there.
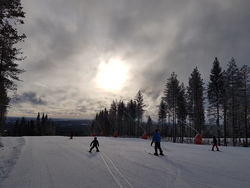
(112, 75)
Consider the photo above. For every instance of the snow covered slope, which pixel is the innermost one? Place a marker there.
(30, 162)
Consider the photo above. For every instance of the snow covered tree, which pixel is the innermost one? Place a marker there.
(11, 14)
(195, 100)
(214, 93)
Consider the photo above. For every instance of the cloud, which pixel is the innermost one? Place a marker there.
(30, 97)
(67, 40)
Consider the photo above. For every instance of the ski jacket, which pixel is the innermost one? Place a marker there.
(214, 140)
(95, 143)
(157, 137)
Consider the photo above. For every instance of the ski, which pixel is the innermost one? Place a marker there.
(156, 155)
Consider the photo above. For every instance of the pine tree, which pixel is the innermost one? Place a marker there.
(245, 75)
(195, 100)
(162, 114)
(113, 116)
(4, 101)
(171, 94)
(233, 85)
(214, 93)
(149, 124)
(131, 117)
(107, 126)
(225, 105)
(140, 105)
(139, 108)
(11, 14)
(38, 125)
(120, 118)
(182, 110)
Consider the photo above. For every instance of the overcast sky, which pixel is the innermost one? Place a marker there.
(71, 44)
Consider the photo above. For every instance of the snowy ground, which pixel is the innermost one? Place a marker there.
(44, 162)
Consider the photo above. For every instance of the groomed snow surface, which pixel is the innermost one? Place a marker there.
(47, 162)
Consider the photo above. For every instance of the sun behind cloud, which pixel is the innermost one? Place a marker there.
(112, 74)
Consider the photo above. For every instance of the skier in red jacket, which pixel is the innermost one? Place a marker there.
(215, 144)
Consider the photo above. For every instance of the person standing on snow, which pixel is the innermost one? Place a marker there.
(95, 144)
(157, 141)
(215, 144)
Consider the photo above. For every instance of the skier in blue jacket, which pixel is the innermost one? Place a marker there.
(157, 141)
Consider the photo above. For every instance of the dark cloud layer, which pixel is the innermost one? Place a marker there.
(29, 97)
(67, 39)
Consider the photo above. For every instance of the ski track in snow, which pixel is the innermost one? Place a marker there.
(118, 180)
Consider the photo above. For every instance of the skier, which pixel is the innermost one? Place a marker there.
(95, 144)
(215, 144)
(157, 141)
(71, 134)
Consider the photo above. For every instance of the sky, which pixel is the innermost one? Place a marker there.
(84, 54)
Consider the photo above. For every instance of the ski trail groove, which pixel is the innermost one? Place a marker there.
(116, 180)
(117, 170)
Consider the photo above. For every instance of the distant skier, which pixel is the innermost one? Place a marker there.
(215, 144)
(157, 140)
(95, 144)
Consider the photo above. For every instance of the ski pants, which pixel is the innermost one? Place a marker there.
(93, 148)
(158, 146)
(215, 146)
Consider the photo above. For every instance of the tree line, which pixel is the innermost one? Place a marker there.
(223, 104)
(41, 126)
(122, 118)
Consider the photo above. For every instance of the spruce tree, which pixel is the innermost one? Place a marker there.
(171, 94)
(11, 14)
(182, 110)
(162, 113)
(139, 108)
(149, 124)
(245, 75)
(113, 116)
(120, 118)
(233, 90)
(195, 100)
(214, 93)
(131, 117)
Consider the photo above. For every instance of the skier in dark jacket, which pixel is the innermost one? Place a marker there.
(95, 144)
(215, 144)
(157, 141)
